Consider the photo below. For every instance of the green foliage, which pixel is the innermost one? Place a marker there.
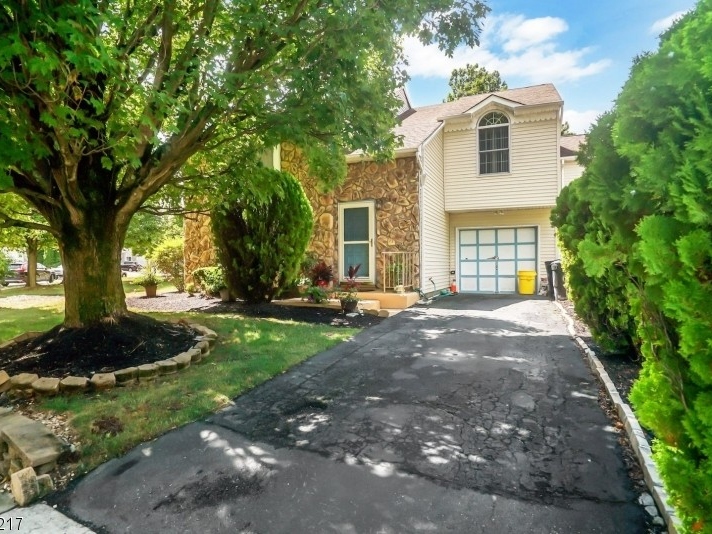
(110, 107)
(149, 276)
(316, 294)
(473, 80)
(168, 257)
(261, 243)
(4, 263)
(211, 279)
(648, 211)
(147, 230)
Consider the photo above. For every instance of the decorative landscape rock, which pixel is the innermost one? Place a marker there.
(195, 355)
(23, 380)
(203, 347)
(103, 381)
(73, 384)
(126, 377)
(46, 386)
(182, 360)
(147, 371)
(5, 383)
(167, 367)
(30, 383)
(25, 488)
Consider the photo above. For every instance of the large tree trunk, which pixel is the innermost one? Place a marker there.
(93, 291)
(31, 263)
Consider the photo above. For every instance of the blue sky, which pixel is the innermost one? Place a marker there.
(585, 48)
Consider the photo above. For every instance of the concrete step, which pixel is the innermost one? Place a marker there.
(27, 443)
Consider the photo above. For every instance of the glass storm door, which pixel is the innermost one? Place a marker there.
(357, 239)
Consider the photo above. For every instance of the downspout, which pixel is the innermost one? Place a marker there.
(421, 182)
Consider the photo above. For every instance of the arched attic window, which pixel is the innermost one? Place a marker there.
(493, 132)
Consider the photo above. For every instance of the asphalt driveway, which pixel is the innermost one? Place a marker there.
(471, 415)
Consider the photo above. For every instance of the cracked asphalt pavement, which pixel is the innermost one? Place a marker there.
(471, 415)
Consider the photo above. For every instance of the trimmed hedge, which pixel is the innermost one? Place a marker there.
(638, 227)
(261, 240)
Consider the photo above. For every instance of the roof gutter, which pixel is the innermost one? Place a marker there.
(356, 157)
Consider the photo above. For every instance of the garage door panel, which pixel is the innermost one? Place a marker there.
(506, 235)
(488, 268)
(468, 284)
(507, 285)
(528, 265)
(468, 252)
(507, 268)
(506, 252)
(487, 252)
(527, 235)
(488, 285)
(526, 252)
(468, 237)
(468, 268)
(487, 237)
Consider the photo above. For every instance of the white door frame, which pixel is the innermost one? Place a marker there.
(371, 205)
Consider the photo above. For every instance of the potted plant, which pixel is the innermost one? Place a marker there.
(321, 274)
(212, 281)
(315, 294)
(348, 296)
(149, 279)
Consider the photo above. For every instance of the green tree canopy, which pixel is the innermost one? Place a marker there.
(106, 106)
(473, 80)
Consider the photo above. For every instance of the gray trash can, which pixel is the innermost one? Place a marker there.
(557, 281)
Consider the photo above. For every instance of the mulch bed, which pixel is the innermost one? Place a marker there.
(139, 339)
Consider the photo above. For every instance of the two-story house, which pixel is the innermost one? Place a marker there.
(466, 200)
(469, 193)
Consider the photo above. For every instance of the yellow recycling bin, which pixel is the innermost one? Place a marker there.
(527, 282)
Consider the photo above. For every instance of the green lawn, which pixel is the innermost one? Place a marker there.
(248, 352)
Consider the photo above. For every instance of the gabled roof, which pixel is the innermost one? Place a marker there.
(569, 145)
(423, 121)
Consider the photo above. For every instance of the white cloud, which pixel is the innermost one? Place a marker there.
(515, 46)
(580, 121)
(659, 26)
(519, 33)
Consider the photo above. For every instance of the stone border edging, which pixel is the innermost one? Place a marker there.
(633, 429)
(30, 384)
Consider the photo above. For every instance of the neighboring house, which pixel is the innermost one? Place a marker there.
(467, 198)
(569, 148)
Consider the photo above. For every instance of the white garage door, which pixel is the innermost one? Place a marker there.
(489, 258)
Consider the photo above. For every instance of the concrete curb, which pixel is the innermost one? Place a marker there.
(633, 429)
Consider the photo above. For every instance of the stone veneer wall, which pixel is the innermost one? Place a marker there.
(392, 185)
(198, 249)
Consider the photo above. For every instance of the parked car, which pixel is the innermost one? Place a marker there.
(130, 266)
(58, 272)
(17, 272)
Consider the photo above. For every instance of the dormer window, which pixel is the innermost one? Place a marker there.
(493, 131)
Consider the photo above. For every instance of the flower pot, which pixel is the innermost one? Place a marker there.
(151, 290)
(349, 305)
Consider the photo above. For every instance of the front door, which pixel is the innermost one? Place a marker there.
(356, 238)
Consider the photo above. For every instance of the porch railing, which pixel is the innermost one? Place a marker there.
(398, 270)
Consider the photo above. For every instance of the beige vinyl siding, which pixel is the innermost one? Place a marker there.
(546, 249)
(534, 165)
(435, 230)
(570, 170)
